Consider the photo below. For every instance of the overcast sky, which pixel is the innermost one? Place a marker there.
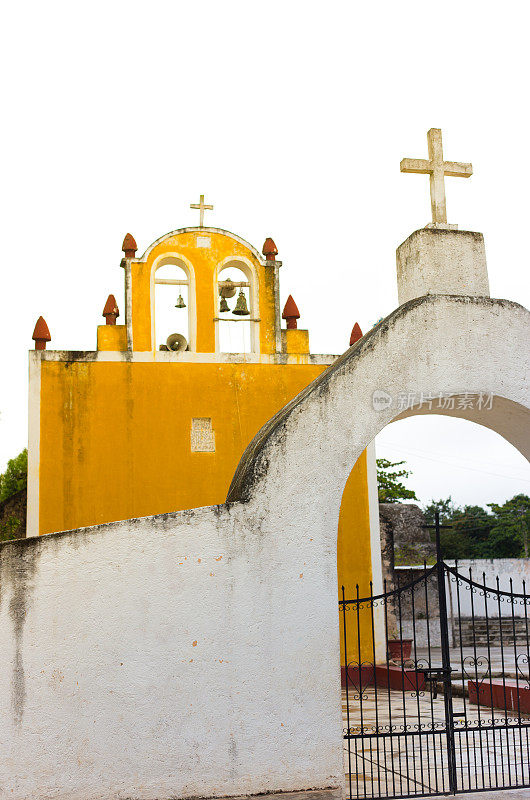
(291, 117)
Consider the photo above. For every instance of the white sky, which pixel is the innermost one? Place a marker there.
(292, 118)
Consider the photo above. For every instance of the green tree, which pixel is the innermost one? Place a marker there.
(15, 477)
(468, 536)
(476, 533)
(390, 488)
(445, 508)
(11, 529)
(510, 533)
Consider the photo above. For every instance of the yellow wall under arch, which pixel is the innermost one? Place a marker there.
(354, 561)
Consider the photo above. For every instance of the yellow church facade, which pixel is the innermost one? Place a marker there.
(148, 424)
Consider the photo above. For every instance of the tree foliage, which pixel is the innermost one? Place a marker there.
(15, 478)
(510, 534)
(389, 486)
(476, 532)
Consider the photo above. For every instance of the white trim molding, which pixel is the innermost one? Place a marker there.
(34, 403)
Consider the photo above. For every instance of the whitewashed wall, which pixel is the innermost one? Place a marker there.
(517, 569)
(193, 654)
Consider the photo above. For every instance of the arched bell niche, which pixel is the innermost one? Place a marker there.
(237, 308)
(173, 302)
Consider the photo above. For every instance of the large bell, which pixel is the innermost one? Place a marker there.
(223, 306)
(241, 309)
(180, 302)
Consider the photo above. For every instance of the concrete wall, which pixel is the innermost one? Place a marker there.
(193, 654)
(516, 569)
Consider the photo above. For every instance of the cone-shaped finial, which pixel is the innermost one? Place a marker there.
(129, 246)
(356, 334)
(111, 310)
(270, 251)
(290, 313)
(41, 334)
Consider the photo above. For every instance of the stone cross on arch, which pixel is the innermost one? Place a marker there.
(201, 207)
(437, 169)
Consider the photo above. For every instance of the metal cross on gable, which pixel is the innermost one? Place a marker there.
(437, 169)
(201, 207)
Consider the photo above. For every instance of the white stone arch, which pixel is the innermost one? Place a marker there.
(434, 344)
(249, 269)
(290, 480)
(185, 264)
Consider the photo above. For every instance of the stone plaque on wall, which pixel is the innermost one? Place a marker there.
(202, 435)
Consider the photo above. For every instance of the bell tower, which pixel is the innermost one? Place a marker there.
(220, 283)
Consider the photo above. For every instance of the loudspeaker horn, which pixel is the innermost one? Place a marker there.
(177, 342)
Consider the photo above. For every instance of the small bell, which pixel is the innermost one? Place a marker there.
(180, 302)
(223, 306)
(241, 309)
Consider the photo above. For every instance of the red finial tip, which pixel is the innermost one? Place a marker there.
(111, 310)
(129, 246)
(270, 251)
(41, 334)
(356, 334)
(290, 313)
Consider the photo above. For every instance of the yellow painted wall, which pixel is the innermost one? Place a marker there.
(354, 563)
(115, 436)
(112, 337)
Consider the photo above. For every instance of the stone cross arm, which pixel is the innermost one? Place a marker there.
(452, 169)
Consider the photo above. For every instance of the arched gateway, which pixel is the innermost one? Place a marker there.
(455, 355)
(430, 349)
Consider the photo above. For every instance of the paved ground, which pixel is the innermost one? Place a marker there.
(402, 762)
(336, 794)
(500, 661)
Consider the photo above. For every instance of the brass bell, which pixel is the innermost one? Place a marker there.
(223, 306)
(241, 309)
(228, 290)
(180, 302)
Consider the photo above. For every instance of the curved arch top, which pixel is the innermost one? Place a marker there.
(229, 234)
(437, 344)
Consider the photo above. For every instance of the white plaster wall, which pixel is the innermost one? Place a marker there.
(487, 570)
(193, 654)
(440, 261)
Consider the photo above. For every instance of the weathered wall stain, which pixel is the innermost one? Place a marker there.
(18, 565)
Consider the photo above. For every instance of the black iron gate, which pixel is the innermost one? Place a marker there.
(436, 687)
